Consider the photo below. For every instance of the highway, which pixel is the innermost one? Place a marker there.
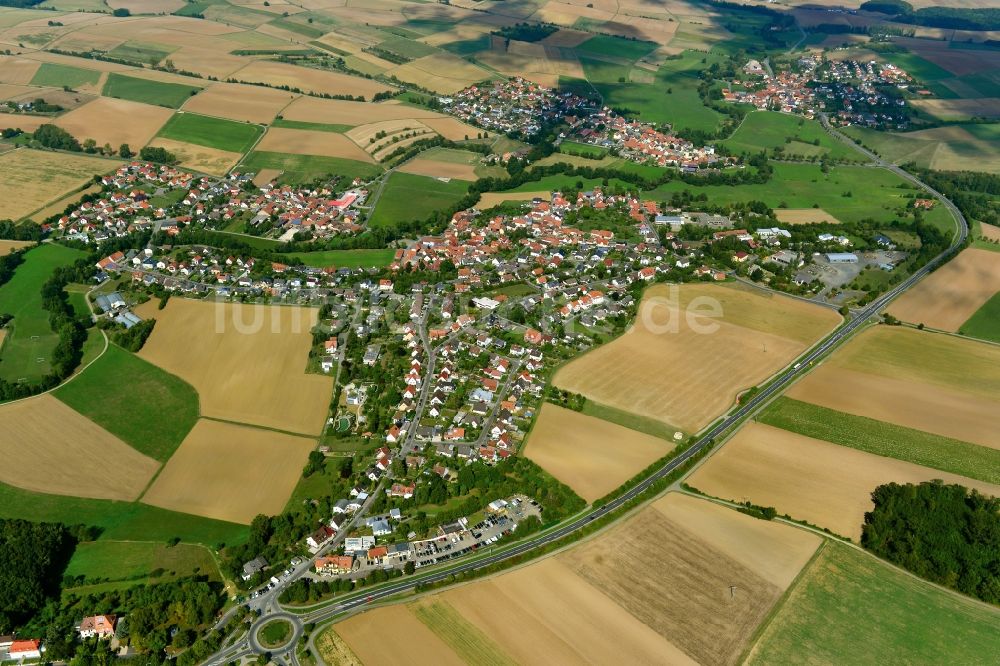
(778, 384)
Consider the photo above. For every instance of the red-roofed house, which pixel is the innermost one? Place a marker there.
(26, 649)
(102, 626)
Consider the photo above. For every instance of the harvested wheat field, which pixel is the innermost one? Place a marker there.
(230, 472)
(133, 123)
(29, 179)
(906, 390)
(366, 135)
(247, 362)
(990, 232)
(590, 455)
(265, 176)
(239, 102)
(490, 199)
(17, 70)
(804, 216)
(373, 645)
(958, 109)
(438, 169)
(22, 121)
(200, 158)
(946, 298)
(311, 142)
(8, 246)
(440, 72)
(452, 129)
(57, 207)
(310, 80)
(809, 479)
(341, 112)
(49, 448)
(684, 364)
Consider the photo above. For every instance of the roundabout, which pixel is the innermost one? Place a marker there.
(275, 634)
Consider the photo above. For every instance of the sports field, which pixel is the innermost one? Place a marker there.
(409, 198)
(47, 447)
(230, 472)
(29, 179)
(148, 91)
(136, 401)
(249, 362)
(210, 132)
(946, 298)
(591, 456)
(684, 365)
(823, 483)
(849, 607)
(30, 341)
(926, 381)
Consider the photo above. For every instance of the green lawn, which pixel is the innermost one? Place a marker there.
(584, 149)
(51, 74)
(146, 53)
(767, 130)
(146, 407)
(301, 28)
(408, 48)
(985, 322)
(29, 337)
(78, 299)
(305, 168)
(318, 127)
(616, 47)
(346, 258)
(171, 95)
(885, 439)
(275, 633)
(211, 132)
(135, 563)
(123, 521)
(408, 198)
(631, 421)
(850, 608)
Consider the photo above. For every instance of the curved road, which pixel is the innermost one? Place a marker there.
(777, 385)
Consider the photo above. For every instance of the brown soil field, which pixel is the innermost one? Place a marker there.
(246, 362)
(30, 179)
(135, 123)
(591, 456)
(490, 199)
(959, 62)
(22, 121)
(452, 129)
(13, 91)
(230, 472)
(363, 134)
(804, 216)
(772, 550)
(49, 448)
(372, 644)
(441, 72)
(208, 61)
(946, 298)
(311, 142)
(337, 111)
(200, 158)
(239, 102)
(57, 207)
(314, 80)
(990, 232)
(948, 109)
(265, 176)
(436, 169)
(682, 367)
(147, 6)
(8, 246)
(809, 479)
(17, 70)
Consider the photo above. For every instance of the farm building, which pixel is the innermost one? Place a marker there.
(842, 257)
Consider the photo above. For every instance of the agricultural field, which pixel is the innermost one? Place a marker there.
(794, 135)
(8, 246)
(211, 132)
(654, 582)
(58, 76)
(249, 364)
(148, 91)
(804, 216)
(849, 606)
(297, 169)
(985, 323)
(346, 258)
(138, 122)
(409, 198)
(682, 365)
(230, 472)
(30, 341)
(243, 103)
(809, 479)
(149, 409)
(950, 148)
(69, 454)
(931, 382)
(30, 179)
(308, 79)
(949, 296)
(446, 163)
(199, 158)
(312, 142)
(591, 456)
(122, 564)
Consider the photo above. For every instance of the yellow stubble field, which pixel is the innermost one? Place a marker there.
(682, 366)
(247, 362)
(49, 448)
(590, 455)
(254, 104)
(809, 479)
(199, 158)
(308, 79)
(134, 123)
(30, 179)
(8, 246)
(804, 216)
(230, 472)
(311, 142)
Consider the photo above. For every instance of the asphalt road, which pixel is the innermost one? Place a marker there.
(777, 385)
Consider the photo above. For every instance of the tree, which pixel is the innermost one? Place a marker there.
(124, 151)
(409, 568)
(121, 12)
